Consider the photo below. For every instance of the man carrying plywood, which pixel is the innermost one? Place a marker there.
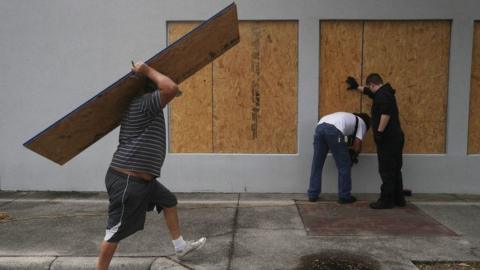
(130, 180)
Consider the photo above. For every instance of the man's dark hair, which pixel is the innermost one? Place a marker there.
(150, 86)
(374, 78)
(365, 118)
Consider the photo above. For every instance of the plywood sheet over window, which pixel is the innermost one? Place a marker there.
(413, 57)
(340, 56)
(191, 114)
(474, 119)
(246, 101)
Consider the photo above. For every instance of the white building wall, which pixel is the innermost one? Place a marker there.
(56, 54)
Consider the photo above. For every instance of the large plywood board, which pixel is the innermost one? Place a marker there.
(191, 115)
(413, 56)
(277, 94)
(474, 119)
(233, 104)
(85, 125)
(255, 91)
(340, 56)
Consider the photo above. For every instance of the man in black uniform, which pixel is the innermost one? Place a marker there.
(389, 139)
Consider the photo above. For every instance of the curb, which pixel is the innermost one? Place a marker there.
(14, 263)
(84, 263)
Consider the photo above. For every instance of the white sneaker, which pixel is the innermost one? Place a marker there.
(191, 246)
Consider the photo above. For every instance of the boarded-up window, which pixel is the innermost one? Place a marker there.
(474, 119)
(245, 101)
(411, 55)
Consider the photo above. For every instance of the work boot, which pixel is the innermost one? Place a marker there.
(400, 201)
(351, 199)
(381, 204)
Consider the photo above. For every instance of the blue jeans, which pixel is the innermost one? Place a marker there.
(328, 137)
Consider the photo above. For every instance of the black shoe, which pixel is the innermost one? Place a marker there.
(400, 202)
(381, 205)
(407, 192)
(313, 199)
(348, 200)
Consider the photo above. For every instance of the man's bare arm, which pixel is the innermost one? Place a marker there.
(167, 87)
(357, 145)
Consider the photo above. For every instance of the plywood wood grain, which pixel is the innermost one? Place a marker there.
(233, 104)
(255, 91)
(474, 119)
(340, 56)
(88, 123)
(277, 119)
(413, 56)
(191, 114)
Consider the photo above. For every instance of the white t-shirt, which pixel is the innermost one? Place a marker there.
(345, 122)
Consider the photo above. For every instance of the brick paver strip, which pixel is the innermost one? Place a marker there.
(332, 219)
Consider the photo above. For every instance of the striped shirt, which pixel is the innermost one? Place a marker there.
(142, 140)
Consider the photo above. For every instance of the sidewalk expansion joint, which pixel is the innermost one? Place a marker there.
(59, 216)
(475, 204)
(234, 233)
(151, 264)
(219, 234)
(301, 217)
(175, 261)
(51, 263)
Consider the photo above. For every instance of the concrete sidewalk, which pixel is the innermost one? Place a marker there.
(52, 230)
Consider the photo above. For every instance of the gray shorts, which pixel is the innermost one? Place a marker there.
(130, 198)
